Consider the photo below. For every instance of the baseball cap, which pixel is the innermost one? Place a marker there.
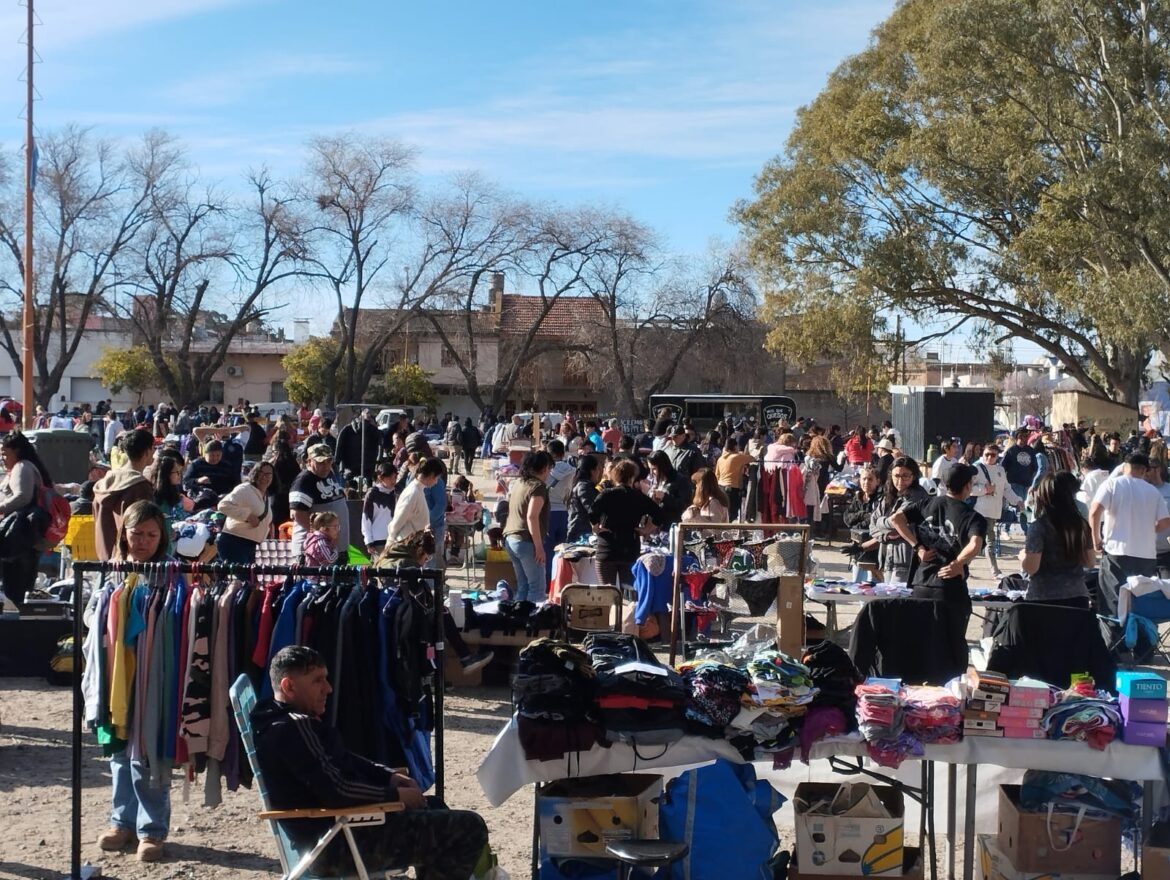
(677, 429)
(886, 443)
(320, 452)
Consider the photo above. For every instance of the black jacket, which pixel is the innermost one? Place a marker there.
(305, 764)
(349, 447)
(880, 644)
(223, 477)
(1050, 642)
(581, 498)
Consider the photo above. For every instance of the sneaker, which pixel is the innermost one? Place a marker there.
(114, 839)
(150, 850)
(475, 662)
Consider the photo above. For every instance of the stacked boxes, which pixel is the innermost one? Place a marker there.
(1143, 708)
(1028, 700)
(985, 696)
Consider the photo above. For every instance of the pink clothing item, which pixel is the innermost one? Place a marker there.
(318, 550)
(779, 453)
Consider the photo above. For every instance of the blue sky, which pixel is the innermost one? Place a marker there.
(663, 109)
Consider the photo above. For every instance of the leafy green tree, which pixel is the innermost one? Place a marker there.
(129, 368)
(311, 370)
(992, 165)
(407, 384)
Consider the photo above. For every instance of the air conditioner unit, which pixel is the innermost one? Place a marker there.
(235, 371)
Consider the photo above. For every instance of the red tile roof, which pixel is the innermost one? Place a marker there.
(519, 313)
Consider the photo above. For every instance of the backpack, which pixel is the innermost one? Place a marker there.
(55, 505)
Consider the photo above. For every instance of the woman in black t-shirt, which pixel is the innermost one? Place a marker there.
(1059, 545)
(620, 516)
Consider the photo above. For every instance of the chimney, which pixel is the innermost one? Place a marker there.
(301, 331)
(497, 292)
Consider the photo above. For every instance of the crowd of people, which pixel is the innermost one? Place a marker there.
(195, 484)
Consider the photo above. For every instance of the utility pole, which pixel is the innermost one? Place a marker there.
(26, 348)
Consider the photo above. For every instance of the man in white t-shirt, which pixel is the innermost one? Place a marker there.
(1133, 512)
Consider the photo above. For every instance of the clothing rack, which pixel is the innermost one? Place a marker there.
(677, 544)
(335, 572)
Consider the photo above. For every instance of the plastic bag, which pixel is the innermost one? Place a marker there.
(761, 637)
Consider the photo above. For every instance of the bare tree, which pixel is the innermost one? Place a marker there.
(200, 270)
(361, 193)
(653, 315)
(91, 202)
(549, 249)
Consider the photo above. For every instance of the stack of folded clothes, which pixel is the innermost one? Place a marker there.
(778, 681)
(639, 699)
(716, 690)
(880, 718)
(1083, 713)
(932, 714)
(555, 691)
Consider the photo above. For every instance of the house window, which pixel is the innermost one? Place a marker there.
(216, 391)
(447, 359)
(277, 393)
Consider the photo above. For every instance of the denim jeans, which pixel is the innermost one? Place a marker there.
(558, 533)
(438, 562)
(139, 806)
(1022, 491)
(530, 583)
(234, 549)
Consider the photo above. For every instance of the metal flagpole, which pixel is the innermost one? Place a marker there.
(26, 348)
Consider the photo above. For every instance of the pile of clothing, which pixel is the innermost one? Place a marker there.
(509, 617)
(881, 720)
(1085, 714)
(555, 693)
(716, 691)
(639, 699)
(779, 682)
(834, 676)
(932, 714)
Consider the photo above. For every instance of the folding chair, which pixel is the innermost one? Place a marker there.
(591, 608)
(1142, 604)
(293, 861)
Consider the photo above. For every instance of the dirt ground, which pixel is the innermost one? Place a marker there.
(228, 841)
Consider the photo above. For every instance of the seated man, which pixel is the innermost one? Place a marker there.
(305, 764)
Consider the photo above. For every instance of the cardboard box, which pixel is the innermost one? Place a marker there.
(1155, 862)
(790, 615)
(1141, 685)
(994, 865)
(577, 816)
(1030, 692)
(847, 845)
(1134, 709)
(494, 571)
(1027, 840)
(978, 724)
(977, 705)
(911, 867)
(1021, 712)
(1012, 732)
(1144, 733)
(996, 732)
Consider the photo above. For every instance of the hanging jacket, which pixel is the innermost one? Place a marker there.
(1050, 642)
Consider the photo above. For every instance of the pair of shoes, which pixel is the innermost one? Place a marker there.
(150, 850)
(114, 839)
(473, 662)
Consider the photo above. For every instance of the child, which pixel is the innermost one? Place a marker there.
(320, 547)
(378, 507)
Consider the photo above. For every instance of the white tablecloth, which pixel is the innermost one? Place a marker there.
(505, 770)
